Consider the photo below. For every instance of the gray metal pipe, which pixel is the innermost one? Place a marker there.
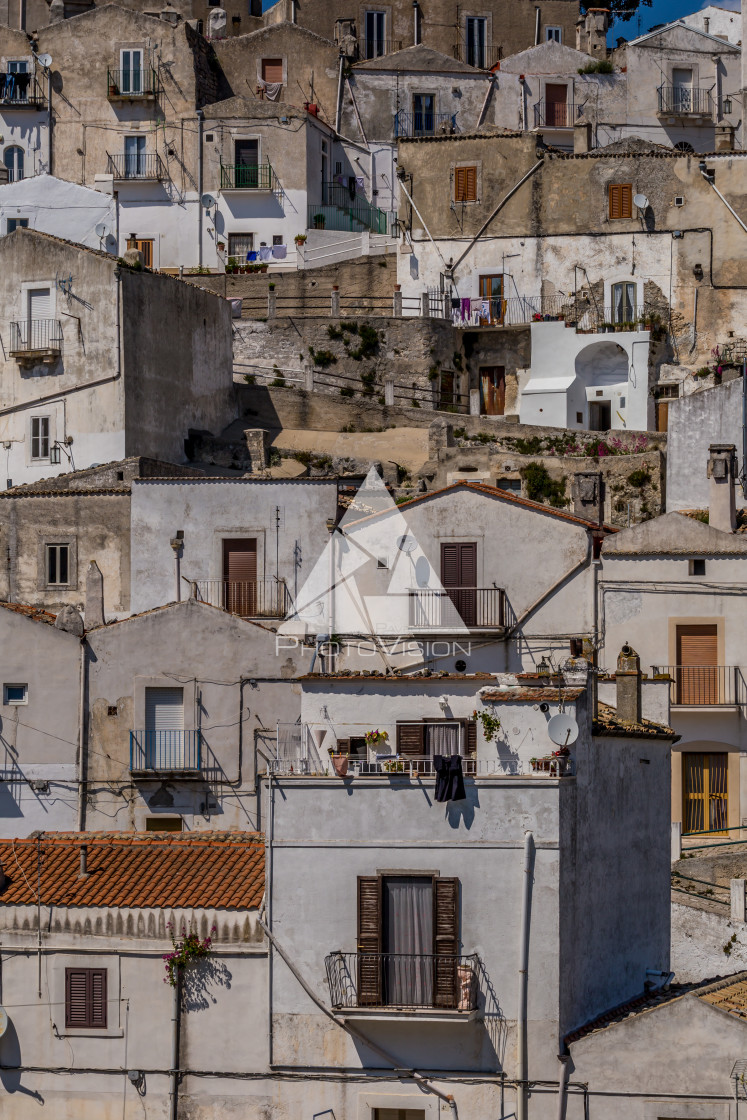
(521, 1012)
(174, 1071)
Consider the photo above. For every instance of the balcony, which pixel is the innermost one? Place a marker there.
(165, 752)
(132, 85)
(136, 165)
(20, 91)
(340, 210)
(419, 982)
(378, 48)
(481, 57)
(681, 101)
(248, 177)
(478, 608)
(36, 340)
(704, 686)
(262, 598)
(553, 114)
(423, 124)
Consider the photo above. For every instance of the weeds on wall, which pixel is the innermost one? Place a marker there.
(540, 487)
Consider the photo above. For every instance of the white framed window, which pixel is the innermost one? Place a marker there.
(58, 565)
(239, 244)
(476, 35)
(375, 23)
(39, 437)
(13, 161)
(15, 694)
(624, 301)
(554, 34)
(16, 223)
(131, 70)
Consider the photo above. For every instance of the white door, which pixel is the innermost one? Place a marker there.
(164, 726)
(682, 90)
(40, 312)
(131, 74)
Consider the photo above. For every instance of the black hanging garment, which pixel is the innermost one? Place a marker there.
(449, 778)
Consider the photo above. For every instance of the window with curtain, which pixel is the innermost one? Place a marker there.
(407, 935)
(441, 738)
(624, 302)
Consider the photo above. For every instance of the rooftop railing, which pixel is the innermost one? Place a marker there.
(704, 686)
(136, 165)
(33, 335)
(165, 751)
(403, 981)
(684, 102)
(260, 598)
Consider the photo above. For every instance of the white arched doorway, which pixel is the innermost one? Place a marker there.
(599, 390)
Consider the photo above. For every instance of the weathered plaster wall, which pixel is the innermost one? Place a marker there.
(711, 416)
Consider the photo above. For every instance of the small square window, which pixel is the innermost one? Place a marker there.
(579, 417)
(112, 710)
(15, 694)
(277, 239)
(622, 402)
(58, 564)
(697, 567)
(209, 137)
(554, 34)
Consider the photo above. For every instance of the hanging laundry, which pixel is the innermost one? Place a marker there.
(265, 252)
(280, 252)
(449, 778)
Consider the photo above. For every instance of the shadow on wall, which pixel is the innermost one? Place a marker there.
(10, 1057)
(201, 981)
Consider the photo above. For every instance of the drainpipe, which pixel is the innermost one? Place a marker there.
(200, 122)
(563, 1084)
(521, 1014)
(536, 26)
(338, 114)
(49, 120)
(82, 764)
(415, 38)
(174, 1071)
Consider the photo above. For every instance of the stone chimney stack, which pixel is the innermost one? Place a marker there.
(724, 137)
(587, 493)
(94, 596)
(628, 681)
(582, 139)
(722, 471)
(591, 32)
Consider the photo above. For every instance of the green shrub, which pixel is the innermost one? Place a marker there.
(346, 391)
(322, 358)
(278, 382)
(250, 379)
(600, 66)
(541, 488)
(369, 343)
(334, 332)
(639, 478)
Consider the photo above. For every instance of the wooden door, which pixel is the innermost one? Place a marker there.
(240, 575)
(697, 660)
(459, 578)
(705, 792)
(492, 390)
(145, 246)
(662, 416)
(556, 112)
(491, 293)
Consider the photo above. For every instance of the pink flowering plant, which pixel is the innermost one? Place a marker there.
(186, 948)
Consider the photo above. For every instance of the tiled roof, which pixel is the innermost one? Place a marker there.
(607, 722)
(24, 492)
(534, 695)
(730, 995)
(223, 870)
(35, 613)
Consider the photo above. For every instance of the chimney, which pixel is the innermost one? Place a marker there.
(587, 493)
(724, 137)
(591, 32)
(83, 861)
(722, 471)
(628, 682)
(582, 137)
(94, 596)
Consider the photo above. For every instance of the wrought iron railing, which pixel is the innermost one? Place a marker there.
(682, 101)
(136, 165)
(260, 598)
(474, 607)
(35, 334)
(483, 58)
(423, 123)
(704, 686)
(403, 980)
(553, 114)
(378, 48)
(247, 177)
(132, 83)
(165, 750)
(357, 215)
(21, 91)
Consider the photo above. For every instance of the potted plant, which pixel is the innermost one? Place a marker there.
(113, 88)
(232, 265)
(319, 221)
(300, 238)
(376, 739)
(490, 723)
(221, 246)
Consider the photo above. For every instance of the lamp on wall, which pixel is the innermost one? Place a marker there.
(727, 106)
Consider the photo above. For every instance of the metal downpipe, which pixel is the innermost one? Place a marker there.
(521, 1012)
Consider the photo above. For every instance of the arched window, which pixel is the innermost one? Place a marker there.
(13, 160)
(684, 146)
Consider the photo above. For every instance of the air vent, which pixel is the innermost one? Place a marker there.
(679, 200)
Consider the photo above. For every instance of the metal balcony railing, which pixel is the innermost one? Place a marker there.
(483, 58)
(166, 750)
(704, 686)
(136, 165)
(21, 91)
(345, 213)
(262, 598)
(474, 607)
(35, 335)
(403, 980)
(551, 114)
(132, 83)
(378, 48)
(423, 124)
(247, 177)
(685, 102)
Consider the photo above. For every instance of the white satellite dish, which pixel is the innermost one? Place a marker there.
(640, 201)
(563, 730)
(45, 60)
(3, 1021)
(407, 543)
(207, 201)
(101, 230)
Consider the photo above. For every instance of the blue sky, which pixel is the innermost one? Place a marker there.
(661, 11)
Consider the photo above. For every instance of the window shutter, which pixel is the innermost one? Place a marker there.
(76, 1003)
(626, 200)
(470, 184)
(459, 180)
(272, 70)
(369, 940)
(97, 997)
(614, 201)
(450, 565)
(470, 738)
(411, 739)
(620, 197)
(445, 941)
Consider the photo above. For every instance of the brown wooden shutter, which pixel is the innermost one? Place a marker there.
(614, 200)
(620, 200)
(697, 660)
(445, 942)
(450, 565)
(369, 940)
(411, 739)
(272, 70)
(470, 738)
(626, 200)
(465, 184)
(85, 997)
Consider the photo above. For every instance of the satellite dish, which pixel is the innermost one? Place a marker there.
(45, 60)
(3, 1021)
(407, 543)
(101, 230)
(563, 730)
(640, 201)
(207, 201)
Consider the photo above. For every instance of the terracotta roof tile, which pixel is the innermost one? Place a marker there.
(607, 722)
(35, 613)
(136, 869)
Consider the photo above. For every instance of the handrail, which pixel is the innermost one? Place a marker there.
(35, 334)
(142, 82)
(247, 177)
(416, 981)
(136, 165)
(684, 100)
(168, 750)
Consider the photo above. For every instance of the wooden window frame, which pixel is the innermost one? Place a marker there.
(619, 201)
(465, 192)
(468, 737)
(89, 1020)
